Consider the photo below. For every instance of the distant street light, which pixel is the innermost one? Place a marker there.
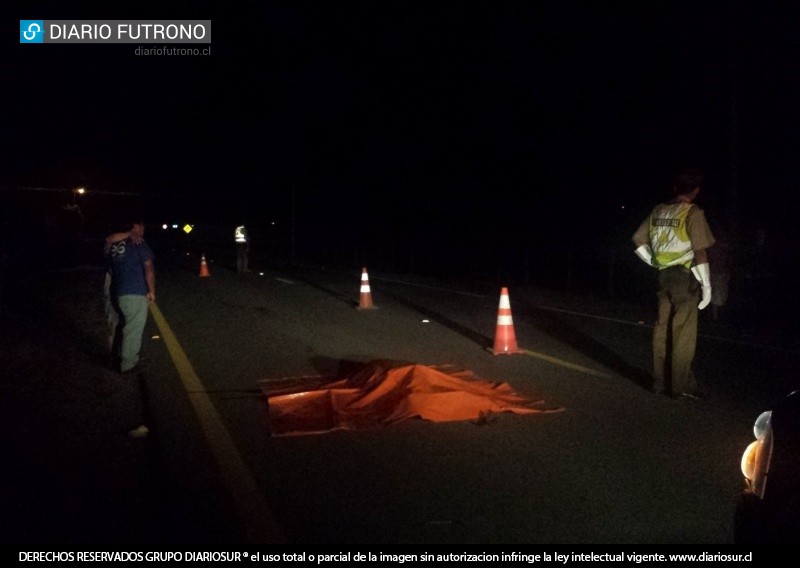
(76, 192)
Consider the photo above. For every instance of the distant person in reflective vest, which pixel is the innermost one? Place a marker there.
(673, 238)
(242, 248)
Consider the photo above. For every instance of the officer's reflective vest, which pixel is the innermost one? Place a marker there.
(669, 238)
(240, 235)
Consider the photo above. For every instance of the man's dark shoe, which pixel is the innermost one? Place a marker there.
(660, 391)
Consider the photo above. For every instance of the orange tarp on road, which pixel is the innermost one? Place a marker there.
(383, 392)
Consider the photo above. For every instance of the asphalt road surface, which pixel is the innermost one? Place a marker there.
(619, 464)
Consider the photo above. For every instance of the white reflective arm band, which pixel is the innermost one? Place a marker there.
(702, 273)
(644, 253)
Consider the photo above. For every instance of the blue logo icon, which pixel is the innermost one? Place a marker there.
(31, 31)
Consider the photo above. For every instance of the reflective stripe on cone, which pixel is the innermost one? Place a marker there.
(505, 340)
(365, 299)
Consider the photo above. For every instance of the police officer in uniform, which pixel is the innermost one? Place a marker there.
(673, 239)
(242, 248)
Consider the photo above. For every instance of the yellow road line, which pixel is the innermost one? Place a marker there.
(566, 364)
(259, 524)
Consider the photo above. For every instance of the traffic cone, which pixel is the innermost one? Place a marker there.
(203, 266)
(505, 341)
(365, 301)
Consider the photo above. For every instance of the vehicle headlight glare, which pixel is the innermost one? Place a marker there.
(762, 422)
(749, 460)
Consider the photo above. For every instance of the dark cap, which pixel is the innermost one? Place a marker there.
(686, 180)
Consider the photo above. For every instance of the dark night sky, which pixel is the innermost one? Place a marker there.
(527, 112)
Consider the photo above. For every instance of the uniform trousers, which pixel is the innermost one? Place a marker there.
(241, 257)
(675, 332)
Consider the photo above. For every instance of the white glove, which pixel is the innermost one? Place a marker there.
(703, 275)
(644, 253)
